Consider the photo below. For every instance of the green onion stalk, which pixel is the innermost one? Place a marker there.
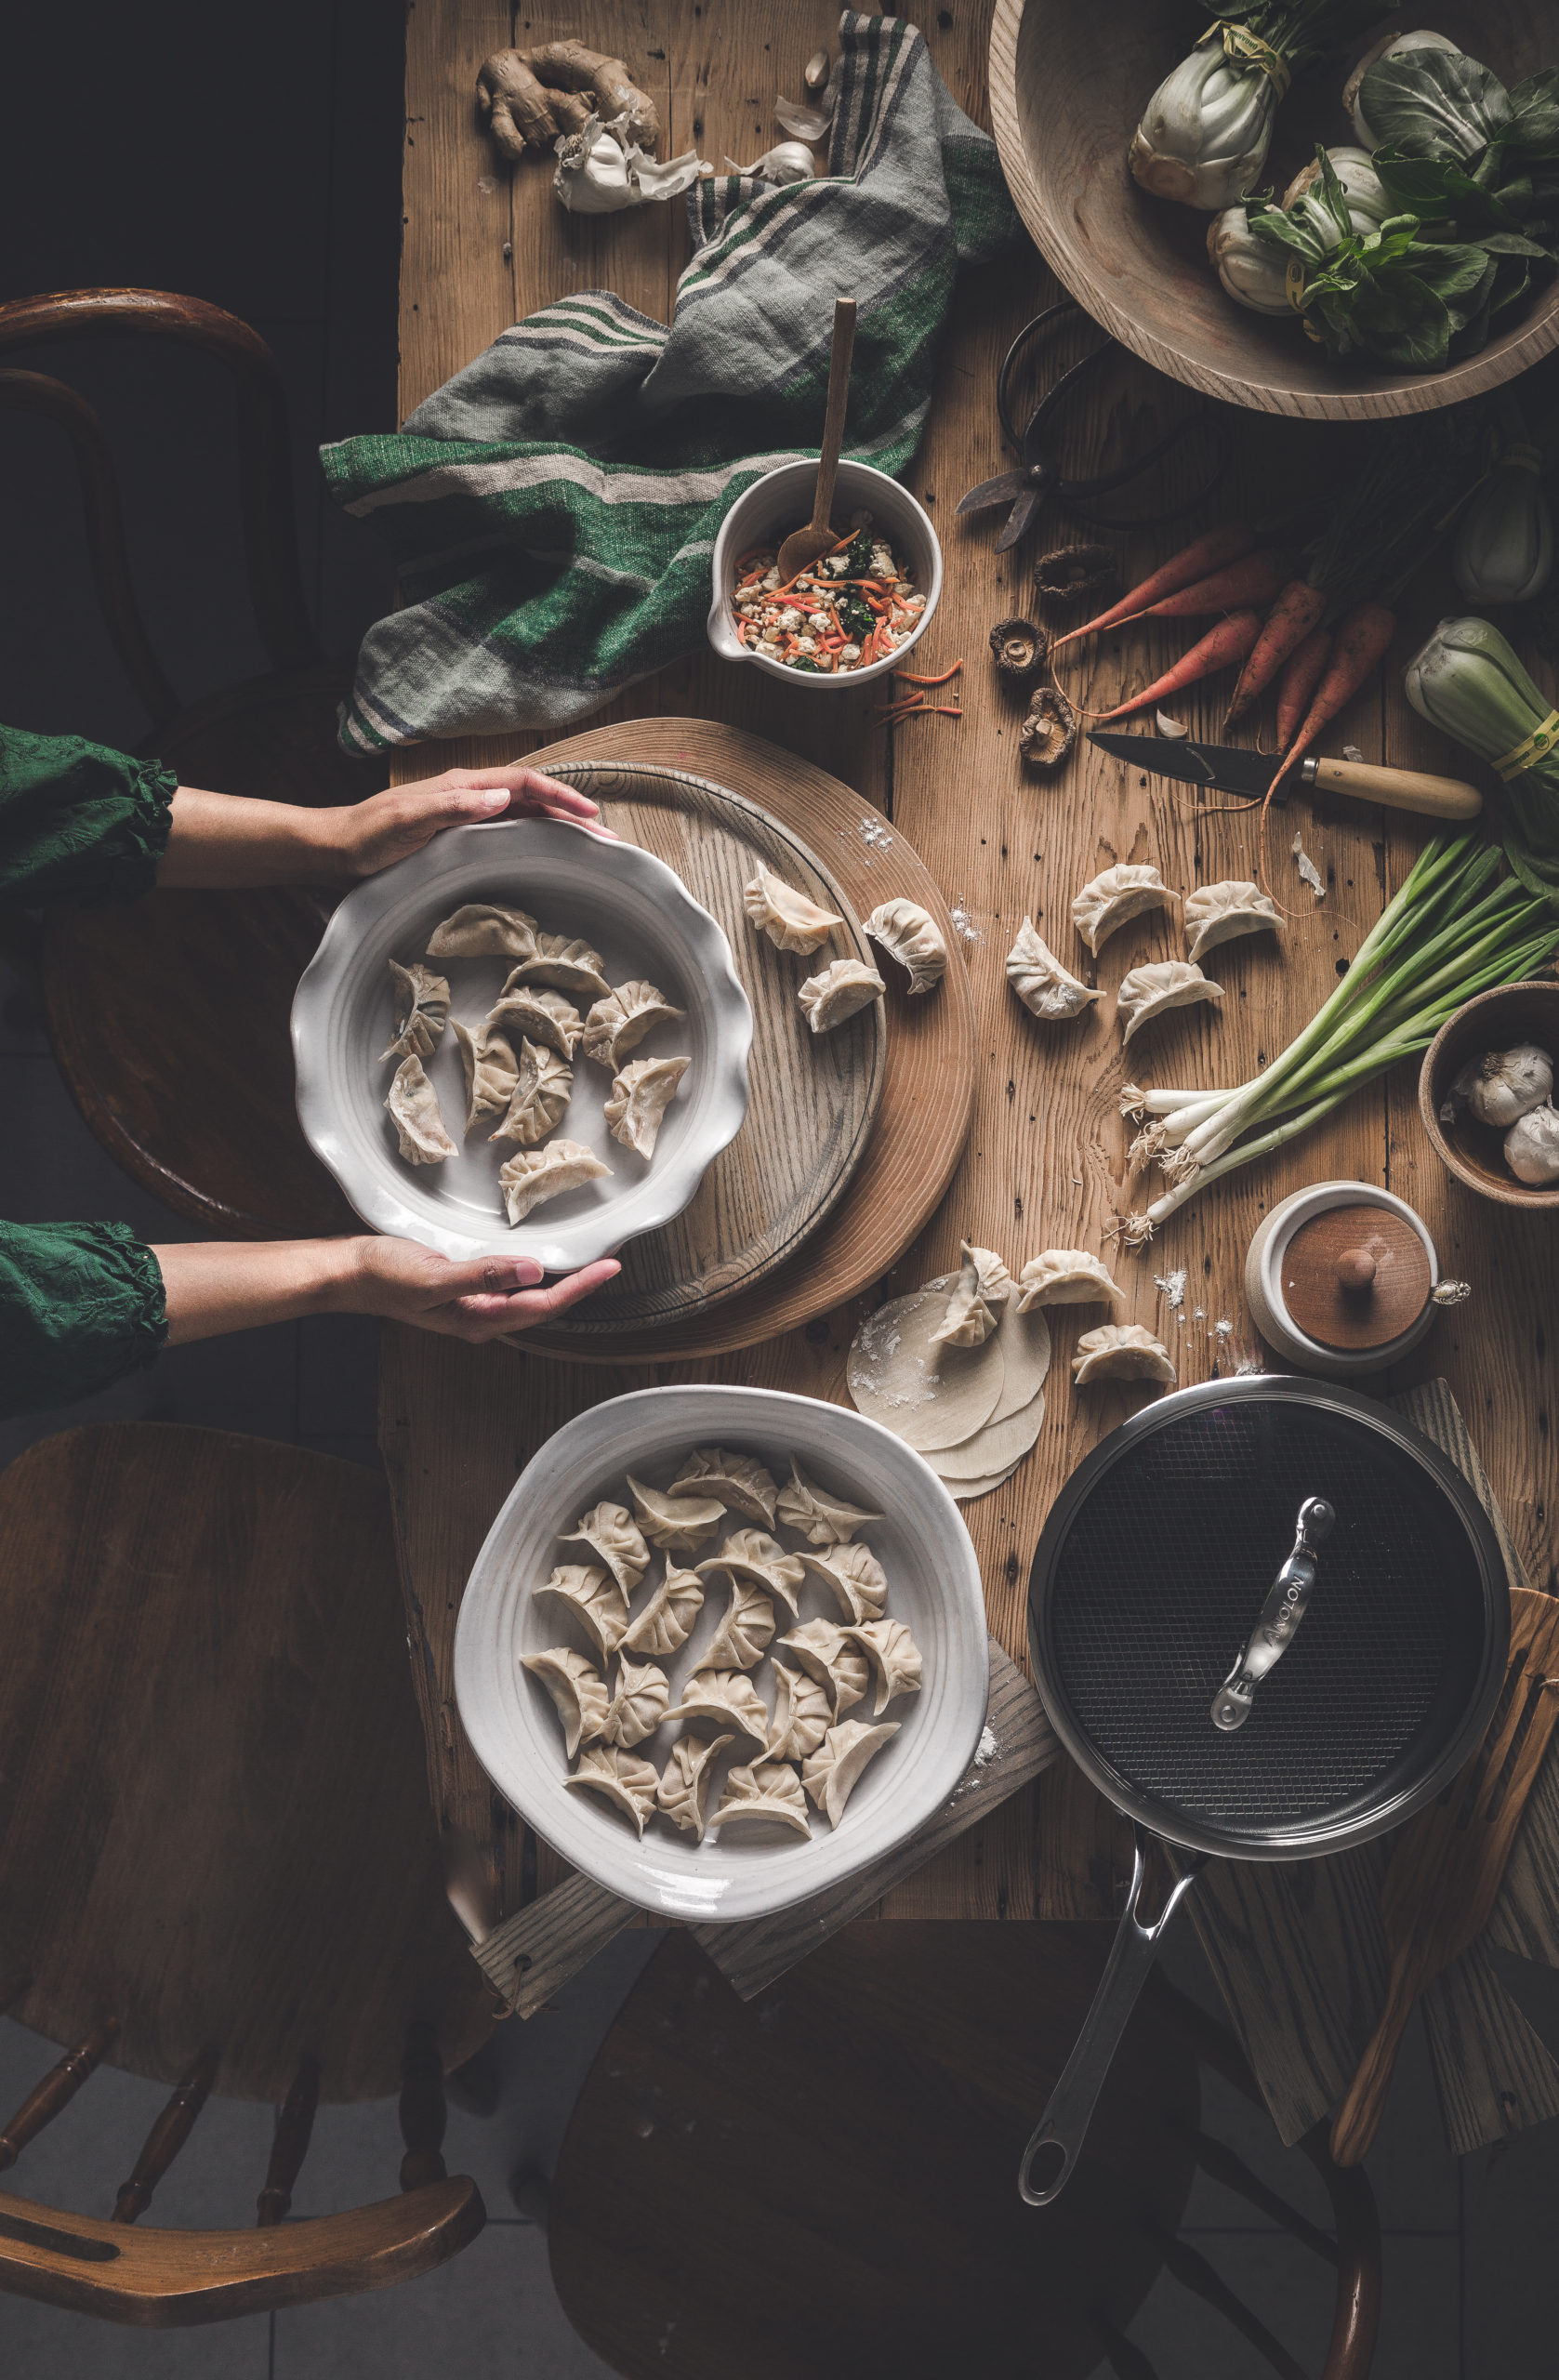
(1455, 928)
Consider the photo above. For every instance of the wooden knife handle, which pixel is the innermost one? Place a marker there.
(1399, 788)
(1358, 2119)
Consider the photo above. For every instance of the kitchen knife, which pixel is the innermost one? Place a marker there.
(1233, 768)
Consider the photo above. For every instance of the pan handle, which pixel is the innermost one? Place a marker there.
(1064, 2123)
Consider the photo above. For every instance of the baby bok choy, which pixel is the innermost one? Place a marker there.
(1255, 271)
(1467, 681)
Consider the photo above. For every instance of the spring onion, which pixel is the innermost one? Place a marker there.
(1455, 928)
(1467, 681)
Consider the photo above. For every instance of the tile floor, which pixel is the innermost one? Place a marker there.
(281, 203)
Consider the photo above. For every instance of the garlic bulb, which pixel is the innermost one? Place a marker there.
(1532, 1146)
(1504, 546)
(1254, 272)
(1389, 45)
(601, 170)
(788, 161)
(1204, 134)
(1505, 1085)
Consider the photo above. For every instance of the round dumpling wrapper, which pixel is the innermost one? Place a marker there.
(964, 1491)
(997, 1443)
(929, 1394)
(1025, 1351)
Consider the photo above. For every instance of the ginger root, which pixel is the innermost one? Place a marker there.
(528, 96)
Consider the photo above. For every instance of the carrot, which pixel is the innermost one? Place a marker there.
(1298, 682)
(1220, 649)
(1297, 611)
(1255, 578)
(1360, 642)
(1183, 569)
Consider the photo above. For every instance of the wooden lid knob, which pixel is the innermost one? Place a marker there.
(1356, 1271)
(1354, 1276)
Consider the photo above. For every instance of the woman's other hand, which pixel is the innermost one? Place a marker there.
(488, 1297)
(216, 1286)
(389, 826)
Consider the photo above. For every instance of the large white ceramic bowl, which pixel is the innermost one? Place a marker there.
(644, 922)
(933, 1585)
(781, 501)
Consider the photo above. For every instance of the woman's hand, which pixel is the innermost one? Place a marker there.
(488, 1297)
(212, 1286)
(389, 826)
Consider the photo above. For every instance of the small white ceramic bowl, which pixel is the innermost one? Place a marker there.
(644, 922)
(781, 501)
(933, 1584)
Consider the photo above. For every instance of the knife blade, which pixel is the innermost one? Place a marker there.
(1234, 768)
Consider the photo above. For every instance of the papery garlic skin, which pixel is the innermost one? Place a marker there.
(1204, 135)
(1505, 1085)
(601, 170)
(1504, 545)
(1253, 272)
(1532, 1147)
(1389, 45)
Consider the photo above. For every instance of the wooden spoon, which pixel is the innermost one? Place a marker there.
(1446, 1869)
(804, 547)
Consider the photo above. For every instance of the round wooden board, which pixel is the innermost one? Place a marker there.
(928, 1080)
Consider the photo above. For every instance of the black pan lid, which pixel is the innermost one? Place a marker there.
(1150, 1577)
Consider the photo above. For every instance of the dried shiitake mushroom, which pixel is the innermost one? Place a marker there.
(1049, 733)
(1076, 574)
(1017, 648)
(528, 96)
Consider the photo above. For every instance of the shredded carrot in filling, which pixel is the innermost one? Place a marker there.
(826, 621)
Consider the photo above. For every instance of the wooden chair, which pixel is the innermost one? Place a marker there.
(219, 1866)
(169, 1017)
(824, 2179)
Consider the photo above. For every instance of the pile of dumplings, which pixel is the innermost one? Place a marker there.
(958, 1369)
(1214, 914)
(713, 1528)
(794, 922)
(519, 1061)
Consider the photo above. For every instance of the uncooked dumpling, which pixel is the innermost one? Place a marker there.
(790, 920)
(543, 1087)
(855, 1578)
(1148, 992)
(684, 1791)
(841, 991)
(414, 1110)
(1122, 1351)
(640, 1095)
(610, 1532)
(834, 1770)
(1111, 900)
(769, 1788)
(421, 1010)
(823, 1519)
(743, 1635)
(532, 1175)
(827, 1655)
(1064, 1276)
(895, 1657)
(577, 1691)
(482, 930)
(803, 1714)
(748, 1553)
(675, 1521)
(739, 1480)
(666, 1622)
(619, 1022)
(621, 1776)
(638, 1704)
(596, 1600)
(1043, 985)
(492, 1071)
(726, 1698)
(974, 1309)
(911, 935)
(1216, 912)
(538, 1015)
(571, 966)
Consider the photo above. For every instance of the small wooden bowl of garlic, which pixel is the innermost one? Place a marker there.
(1486, 1094)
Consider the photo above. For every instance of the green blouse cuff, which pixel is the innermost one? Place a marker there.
(79, 823)
(80, 1306)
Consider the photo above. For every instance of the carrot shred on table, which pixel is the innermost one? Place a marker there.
(912, 678)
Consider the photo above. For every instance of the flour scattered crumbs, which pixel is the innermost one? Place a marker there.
(875, 835)
(963, 925)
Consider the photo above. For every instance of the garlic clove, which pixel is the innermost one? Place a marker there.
(1532, 1147)
(1505, 1085)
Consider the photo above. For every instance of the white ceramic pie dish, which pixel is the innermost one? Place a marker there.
(644, 922)
(933, 1585)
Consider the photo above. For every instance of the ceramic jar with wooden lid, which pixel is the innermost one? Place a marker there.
(1341, 1279)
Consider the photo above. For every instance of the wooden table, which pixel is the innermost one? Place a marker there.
(1044, 1162)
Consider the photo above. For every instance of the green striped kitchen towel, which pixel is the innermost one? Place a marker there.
(553, 509)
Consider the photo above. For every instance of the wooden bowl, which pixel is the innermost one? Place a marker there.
(1069, 80)
(1496, 1020)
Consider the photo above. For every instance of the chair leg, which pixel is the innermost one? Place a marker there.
(57, 2090)
(166, 2138)
(290, 2146)
(422, 2107)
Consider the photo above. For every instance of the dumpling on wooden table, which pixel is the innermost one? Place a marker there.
(841, 992)
(640, 1095)
(974, 1309)
(421, 1010)
(911, 935)
(543, 1087)
(1046, 990)
(1122, 1351)
(492, 1071)
(1064, 1276)
(414, 1110)
(570, 964)
(538, 1015)
(481, 929)
(1152, 991)
(788, 918)
(619, 1022)
(578, 1692)
(533, 1175)
(1112, 900)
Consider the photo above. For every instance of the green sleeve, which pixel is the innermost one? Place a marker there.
(78, 823)
(80, 1304)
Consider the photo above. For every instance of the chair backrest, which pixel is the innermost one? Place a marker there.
(264, 456)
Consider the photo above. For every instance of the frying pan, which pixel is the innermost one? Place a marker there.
(1245, 1683)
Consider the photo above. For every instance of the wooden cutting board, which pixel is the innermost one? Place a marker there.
(788, 1224)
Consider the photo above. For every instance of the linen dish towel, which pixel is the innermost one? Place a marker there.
(552, 508)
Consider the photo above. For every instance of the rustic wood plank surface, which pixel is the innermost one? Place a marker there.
(1044, 1162)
